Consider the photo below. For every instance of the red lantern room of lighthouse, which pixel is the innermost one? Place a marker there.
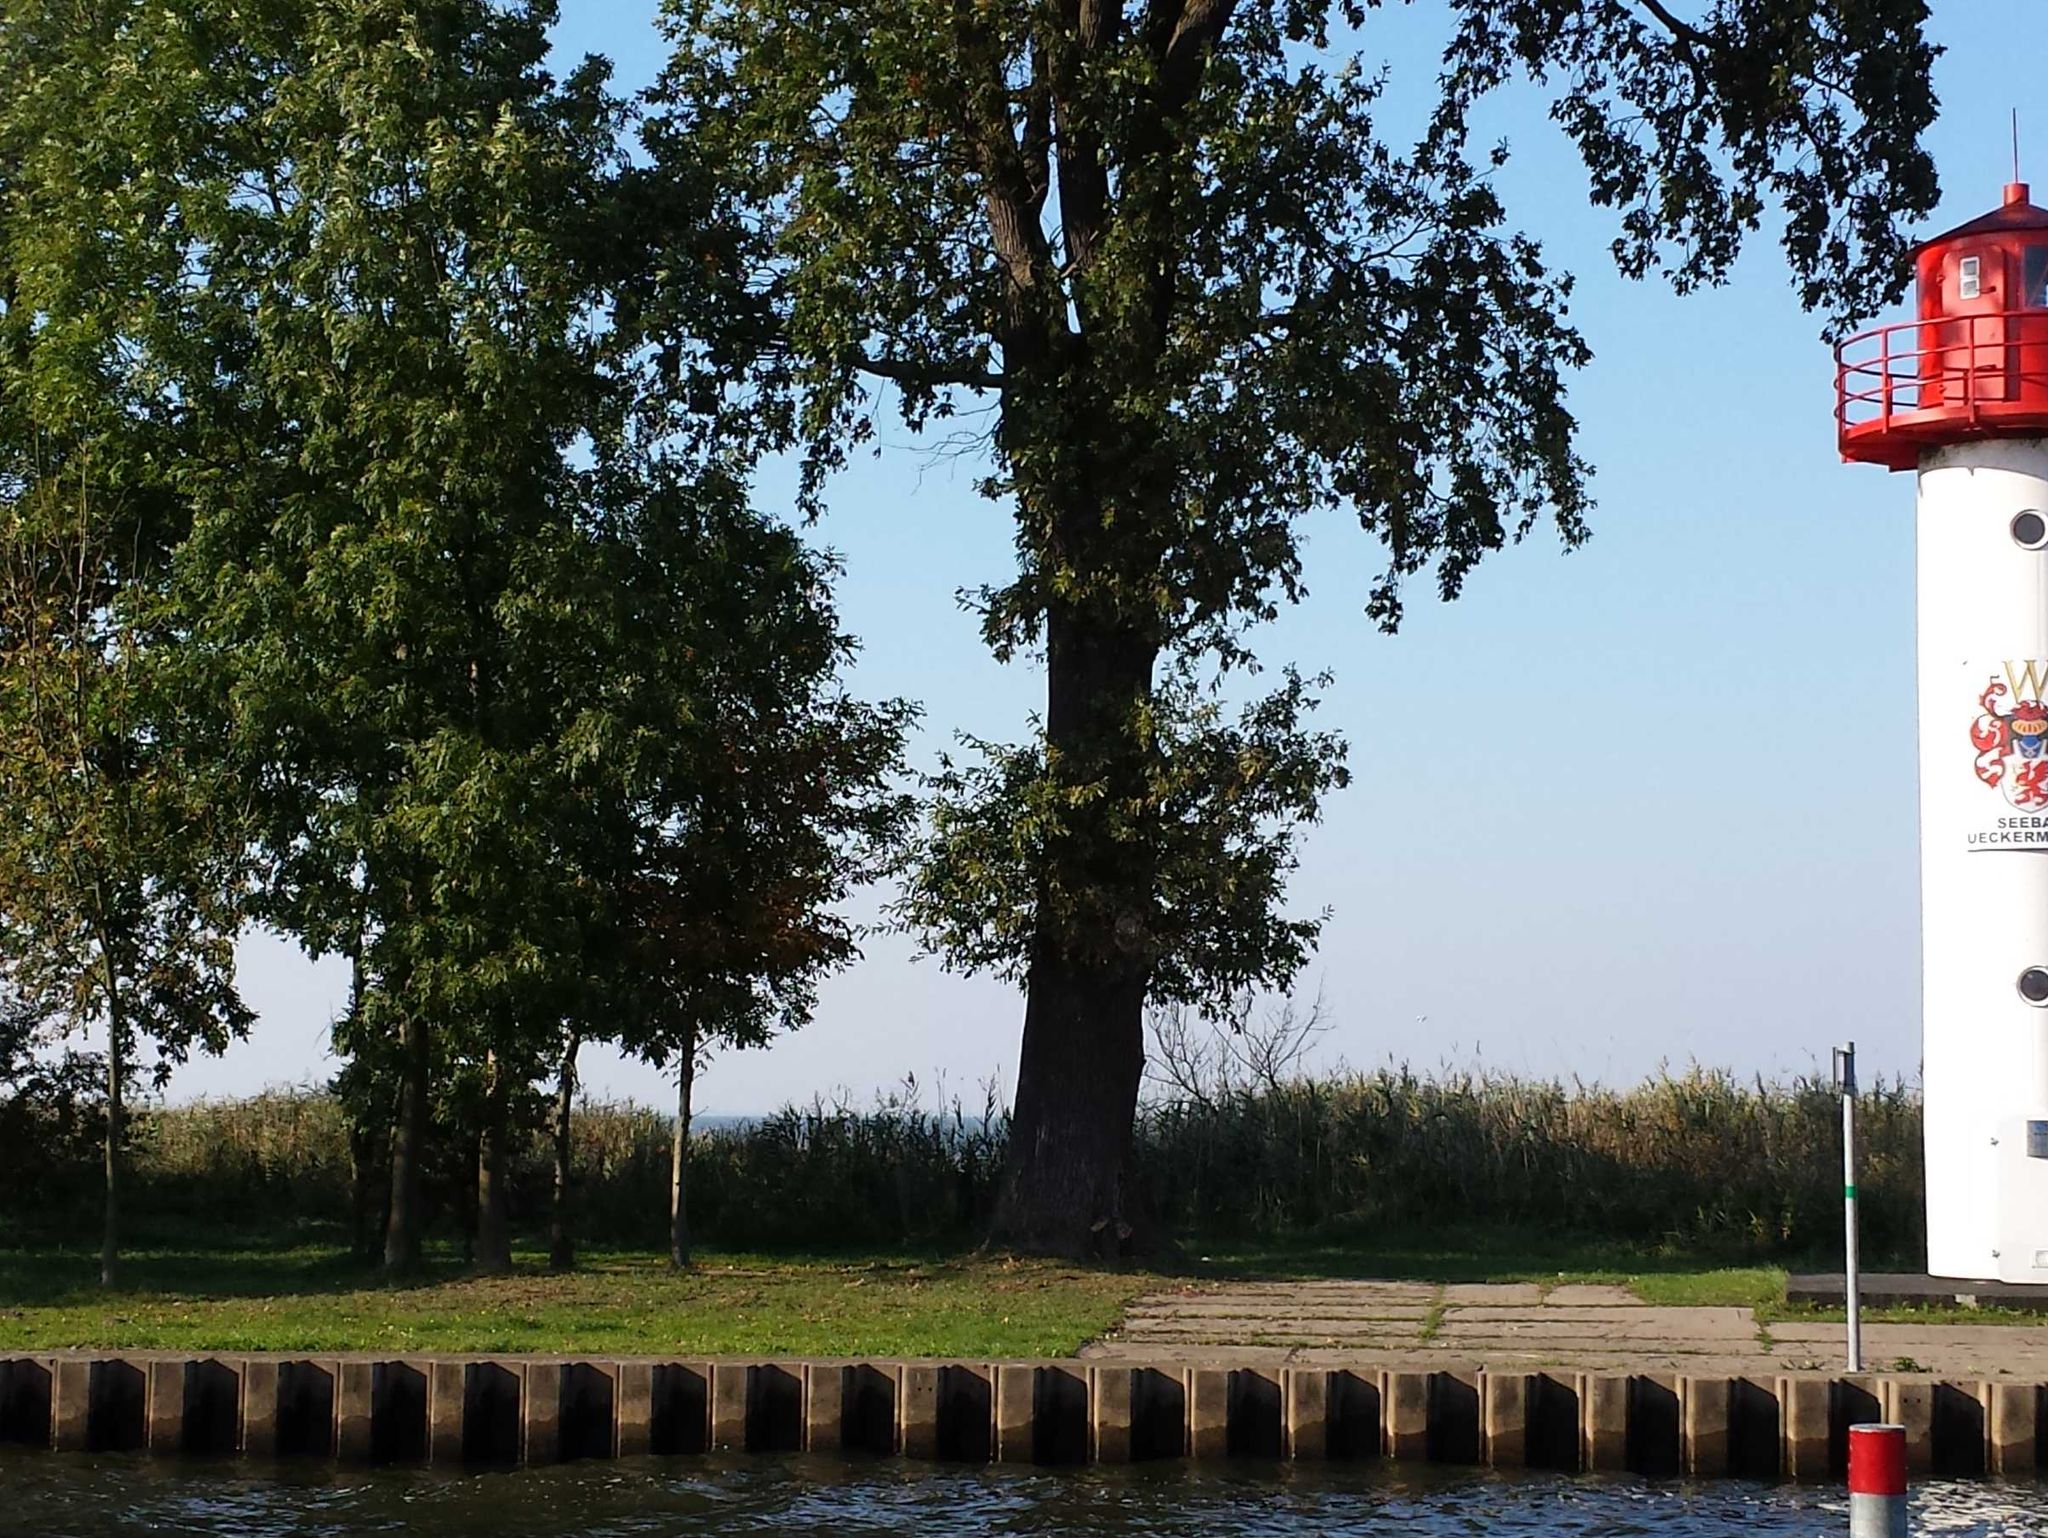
(1975, 363)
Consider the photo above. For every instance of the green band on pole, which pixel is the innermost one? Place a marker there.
(1848, 1193)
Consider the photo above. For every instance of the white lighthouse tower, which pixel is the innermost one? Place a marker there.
(1960, 395)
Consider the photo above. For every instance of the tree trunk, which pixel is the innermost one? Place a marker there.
(1077, 1099)
(465, 1195)
(408, 1150)
(493, 1222)
(363, 1184)
(679, 1164)
(369, 1135)
(117, 1073)
(1084, 1033)
(561, 1241)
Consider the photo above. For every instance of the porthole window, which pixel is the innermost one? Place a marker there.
(2034, 985)
(2029, 530)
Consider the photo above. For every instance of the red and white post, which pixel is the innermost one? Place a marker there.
(1877, 1482)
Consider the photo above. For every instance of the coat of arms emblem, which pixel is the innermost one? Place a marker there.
(2012, 745)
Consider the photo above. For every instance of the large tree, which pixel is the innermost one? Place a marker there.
(1206, 294)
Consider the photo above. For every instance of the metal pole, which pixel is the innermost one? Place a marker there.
(1845, 1080)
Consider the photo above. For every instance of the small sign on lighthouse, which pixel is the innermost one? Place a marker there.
(1959, 395)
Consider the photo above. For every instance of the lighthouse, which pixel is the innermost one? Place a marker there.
(1959, 396)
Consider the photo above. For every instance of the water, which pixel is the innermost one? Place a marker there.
(74, 1497)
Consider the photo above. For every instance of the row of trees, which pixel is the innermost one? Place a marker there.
(378, 566)
(377, 412)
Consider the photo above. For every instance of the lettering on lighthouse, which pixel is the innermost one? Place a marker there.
(2010, 738)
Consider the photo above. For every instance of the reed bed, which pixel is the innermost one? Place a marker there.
(1697, 1163)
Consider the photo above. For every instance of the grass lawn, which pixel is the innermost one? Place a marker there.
(311, 1298)
(308, 1295)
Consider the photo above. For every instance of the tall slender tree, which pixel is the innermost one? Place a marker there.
(561, 1135)
(1205, 294)
(119, 849)
(745, 792)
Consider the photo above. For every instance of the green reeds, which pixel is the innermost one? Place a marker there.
(1699, 1163)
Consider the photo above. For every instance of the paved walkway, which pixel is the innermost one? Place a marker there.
(1522, 1325)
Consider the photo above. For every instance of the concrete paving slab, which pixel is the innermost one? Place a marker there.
(1492, 1294)
(1517, 1327)
(1227, 1309)
(1195, 1337)
(1620, 1324)
(1967, 1350)
(1576, 1352)
(1593, 1318)
(1208, 1356)
(1313, 1289)
(1579, 1293)
(1320, 1328)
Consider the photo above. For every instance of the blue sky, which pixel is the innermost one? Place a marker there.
(1649, 802)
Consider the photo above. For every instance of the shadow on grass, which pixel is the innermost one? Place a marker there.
(1450, 1253)
(314, 1260)
(305, 1261)
(185, 1263)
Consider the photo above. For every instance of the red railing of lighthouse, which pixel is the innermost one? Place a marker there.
(1904, 388)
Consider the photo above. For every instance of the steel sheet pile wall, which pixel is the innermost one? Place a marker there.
(506, 1411)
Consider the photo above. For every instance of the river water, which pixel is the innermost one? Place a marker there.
(45, 1496)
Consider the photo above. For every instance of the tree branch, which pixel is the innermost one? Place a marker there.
(1019, 239)
(1683, 30)
(1200, 28)
(1037, 145)
(1087, 26)
(931, 375)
